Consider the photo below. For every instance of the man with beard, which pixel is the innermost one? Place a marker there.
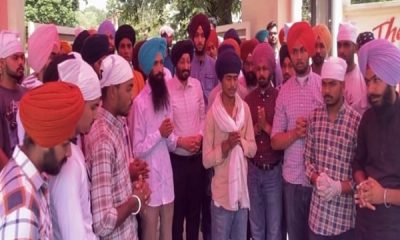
(203, 66)
(115, 200)
(188, 112)
(228, 143)
(12, 61)
(248, 80)
(153, 139)
(107, 28)
(356, 90)
(298, 97)
(376, 166)
(323, 44)
(50, 114)
(43, 45)
(265, 169)
(329, 152)
(286, 64)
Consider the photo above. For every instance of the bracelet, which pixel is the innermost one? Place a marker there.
(385, 199)
(139, 203)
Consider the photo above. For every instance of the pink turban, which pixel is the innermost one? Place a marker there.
(264, 54)
(302, 32)
(43, 41)
(322, 32)
(383, 58)
(9, 44)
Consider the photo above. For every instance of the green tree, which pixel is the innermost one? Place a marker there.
(90, 17)
(59, 12)
(146, 16)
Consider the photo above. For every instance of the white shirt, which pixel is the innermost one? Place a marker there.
(70, 199)
(356, 90)
(31, 82)
(188, 109)
(150, 146)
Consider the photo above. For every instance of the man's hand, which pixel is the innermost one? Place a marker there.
(231, 142)
(142, 190)
(359, 197)
(138, 168)
(301, 127)
(166, 128)
(327, 188)
(191, 144)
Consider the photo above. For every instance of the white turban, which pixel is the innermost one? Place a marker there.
(115, 70)
(166, 30)
(347, 32)
(43, 41)
(9, 44)
(334, 68)
(78, 72)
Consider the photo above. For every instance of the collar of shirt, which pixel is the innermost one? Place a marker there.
(178, 85)
(342, 110)
(265, 92)
(301, 82)
(114, 121)
(29, 169)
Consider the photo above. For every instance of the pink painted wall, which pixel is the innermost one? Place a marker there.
(3, 14)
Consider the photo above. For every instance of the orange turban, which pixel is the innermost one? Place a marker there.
(50, 113)
(65, 47)
(321, 31)
(213, 38)
(233, 43)
(247, 47)
(301, 32)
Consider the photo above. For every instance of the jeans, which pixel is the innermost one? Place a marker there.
(189, 175)
(265, 191)
(228, 225)
(297, 200)
(349, 235)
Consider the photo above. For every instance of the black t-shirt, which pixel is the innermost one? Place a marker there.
(9, 103)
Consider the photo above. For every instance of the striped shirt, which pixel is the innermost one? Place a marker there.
(296, 100)
(24, 200)
(330, 147)
(31, 81)
(188, 111)
(107, 155)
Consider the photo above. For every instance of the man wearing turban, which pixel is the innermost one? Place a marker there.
(265, 169)
(323, 45)
(248, 80)
(227, 144)
(50, 114)
(298, 97)
(115, 198)
(376, 165)
(332, 210)
(203, 66)
(107, 28)
(212, 44)
(286, 63)
(43, 45)
(188, 114)
(356, 90)
(153, 138)
(94, 50)
(125, 39)
(12, 61)
(168, 33)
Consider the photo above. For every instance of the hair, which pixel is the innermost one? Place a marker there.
(271, 25)
(51, 72)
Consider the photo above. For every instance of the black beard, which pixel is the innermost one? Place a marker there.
(200, 52)
(318, 59)
(386, 101)
(181, 76)
(159, 95)
(50, 165)
(14, 76)
(251, 79)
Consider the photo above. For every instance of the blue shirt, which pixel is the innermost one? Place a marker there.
(204, 71)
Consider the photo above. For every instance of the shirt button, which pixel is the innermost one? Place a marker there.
(261, 142)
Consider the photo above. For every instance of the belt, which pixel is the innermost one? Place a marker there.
(265, 166)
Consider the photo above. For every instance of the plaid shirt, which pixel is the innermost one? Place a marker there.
(296, 100)
(330, 147)
(24, 198)
(107, 155)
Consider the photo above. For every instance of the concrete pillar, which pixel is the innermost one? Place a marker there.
(337, 17)
(295, 11)
(12, 16)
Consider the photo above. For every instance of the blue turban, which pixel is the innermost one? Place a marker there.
(262, 35)
(148, 52)
(227, 62)
(106, 27)
(383, 58)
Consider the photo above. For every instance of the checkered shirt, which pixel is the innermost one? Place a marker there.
(330, 147)
(24, 200)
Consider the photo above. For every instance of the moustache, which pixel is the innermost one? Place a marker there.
(328, 97)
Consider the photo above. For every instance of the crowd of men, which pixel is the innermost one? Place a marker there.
(110, 138)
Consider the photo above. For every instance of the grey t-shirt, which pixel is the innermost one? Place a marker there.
(9, 102)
